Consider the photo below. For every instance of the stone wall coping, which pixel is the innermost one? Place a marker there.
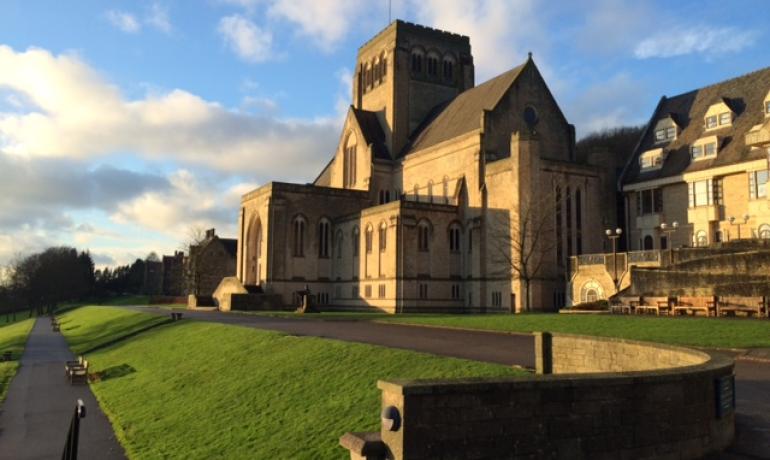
(588, 380)
(664, 346)
(364, 444)
(713, 362)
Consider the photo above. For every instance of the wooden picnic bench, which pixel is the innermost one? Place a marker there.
(176, 316)
(7, 355)
(79, 374)
(750, 306)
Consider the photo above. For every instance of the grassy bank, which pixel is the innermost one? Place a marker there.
(203, 390)
(13, 336)
(88, 328)
(701, 332)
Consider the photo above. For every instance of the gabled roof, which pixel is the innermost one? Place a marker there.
(744, 95)
(462, 114)
(372, 130)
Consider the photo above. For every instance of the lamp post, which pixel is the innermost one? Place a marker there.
(732, 221)
(668, 230)
(613, 236)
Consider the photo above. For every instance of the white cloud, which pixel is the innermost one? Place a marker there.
(246, 39)
(77, 114)
(325, 21)
(695, 39)
(123, 21)
(501, 31)
(157, 17)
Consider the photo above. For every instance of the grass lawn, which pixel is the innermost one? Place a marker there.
(13, 336)
(193, 389)
(701, 332)
(87, 328)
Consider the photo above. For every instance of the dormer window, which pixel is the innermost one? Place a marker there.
(704, 148)
(666, 130)
(718, 115)
(651, 159)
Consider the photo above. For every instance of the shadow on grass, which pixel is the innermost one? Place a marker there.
(113, 372)
(127, 335)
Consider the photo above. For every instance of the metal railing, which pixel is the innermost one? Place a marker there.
(73, 435)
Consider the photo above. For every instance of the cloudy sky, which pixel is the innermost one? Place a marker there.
(125, 123)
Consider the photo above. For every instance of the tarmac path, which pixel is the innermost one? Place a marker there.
(36, 414)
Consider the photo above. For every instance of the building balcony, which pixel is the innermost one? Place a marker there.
(703, 214)
(648, 221)
(759, 136)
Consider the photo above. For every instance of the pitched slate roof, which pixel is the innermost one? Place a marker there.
(372, 130)
(744, 95)
(462, 114)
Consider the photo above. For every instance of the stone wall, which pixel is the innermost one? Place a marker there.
(653, 413)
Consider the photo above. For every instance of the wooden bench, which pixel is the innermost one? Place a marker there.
(750, 306)
(7, 356)
(79, 374)
(70, 365)
(175, 316)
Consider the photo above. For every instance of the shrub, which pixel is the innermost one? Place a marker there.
(598, 305)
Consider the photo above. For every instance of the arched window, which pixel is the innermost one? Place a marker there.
(369, 234)
(338, 244)
(454, 238)
(383, 66)
(383, 236)
(648, 243)
(432, 64)
(349, 162)
(591, 292)
(578, 222)
(423, 237)
(356, 241)
(764, 231)
(417, 56)
(430, 191)
(323, 238)
(445, 189)
(299, 236)
(701, 239)
(448, 68)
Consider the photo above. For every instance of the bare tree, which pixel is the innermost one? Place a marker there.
(523, 240)
(196, 235)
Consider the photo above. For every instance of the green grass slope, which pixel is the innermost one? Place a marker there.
(702, 332)
(13, 336)
(88, 328)
(203, 390)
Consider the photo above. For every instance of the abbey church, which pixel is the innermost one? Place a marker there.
(442, 195)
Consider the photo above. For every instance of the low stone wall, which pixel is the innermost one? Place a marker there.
(668, 402)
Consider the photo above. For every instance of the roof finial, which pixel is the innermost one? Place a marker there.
(530, 55)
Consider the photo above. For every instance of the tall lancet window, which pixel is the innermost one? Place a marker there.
(349, 162)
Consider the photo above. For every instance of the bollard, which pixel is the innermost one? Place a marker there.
(71, 446)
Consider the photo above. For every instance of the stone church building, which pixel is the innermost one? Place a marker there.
(442, 195)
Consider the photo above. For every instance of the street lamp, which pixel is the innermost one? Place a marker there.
(732, 220)
(613, 236)
(668, 230)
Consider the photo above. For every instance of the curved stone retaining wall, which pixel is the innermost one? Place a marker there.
(668, 402)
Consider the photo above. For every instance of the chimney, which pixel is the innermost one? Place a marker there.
(210, 233)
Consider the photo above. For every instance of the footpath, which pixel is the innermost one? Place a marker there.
(35, 417)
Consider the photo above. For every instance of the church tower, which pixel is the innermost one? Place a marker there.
(407, 70)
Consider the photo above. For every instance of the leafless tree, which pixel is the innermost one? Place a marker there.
(195, 236)
(523, 240)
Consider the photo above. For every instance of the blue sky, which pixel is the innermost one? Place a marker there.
(123, 124)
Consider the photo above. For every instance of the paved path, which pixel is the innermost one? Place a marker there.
(35, 417)
(501, 348)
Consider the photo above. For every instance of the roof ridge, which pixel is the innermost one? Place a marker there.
(719, 83)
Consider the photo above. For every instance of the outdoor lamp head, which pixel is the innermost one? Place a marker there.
(675, 224)
(608, 232)
(731, 219)
(746, 217)
(663, 225)
(618, 231)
